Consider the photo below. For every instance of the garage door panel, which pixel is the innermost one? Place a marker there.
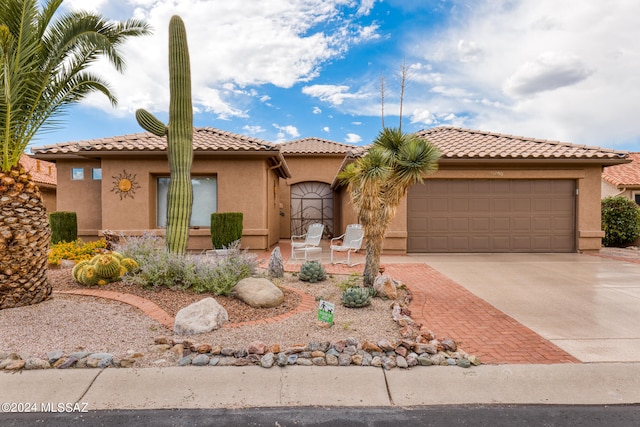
(492, 216)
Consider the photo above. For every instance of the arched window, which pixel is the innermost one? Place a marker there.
(311, 202)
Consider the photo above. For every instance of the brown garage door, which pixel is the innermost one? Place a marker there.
(491, 216)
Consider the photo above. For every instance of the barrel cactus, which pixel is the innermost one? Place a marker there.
(356, 296)
(312, 271)
(88, 275)
(107, 266)
(77, 268)
(179, 135)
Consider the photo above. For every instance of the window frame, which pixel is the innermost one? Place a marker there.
(77, 174)
(161, 200)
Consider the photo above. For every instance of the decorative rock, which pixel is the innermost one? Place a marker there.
(388, 363)
(276, 263)
(257, 347)
(319, 361)
(214, 361)
(317, 353)
(292, 359)
(203, 316)
(200, 360)
(386, 345)
(332, 352)
(437, 359)
(376, 361)
(332, 360)
(356, 359)
(426, 348)
(450, 361)
(370, 347)
(282, 359)
(449, 344)
(267, 360)
(159, 348)
(53, 356)
(105, 362)
(15, 365)
(401, 362)
(412, 359)
(79, 355)
(258, 292)
(402, 351)
(351, 342)
(385, 287)
(424, 360)
(216, 350)
(184, 361)
(474, 360)
(297, 348)
(35, 363)
(253, 358)
(227, 351)
(339, 345)
(350, 350)
(274, 348)
(463, 363)
(178, 350)
(240, 353)
(203, 348)
(344, 360)
(82, 363)
(320, 346)
(304, 362)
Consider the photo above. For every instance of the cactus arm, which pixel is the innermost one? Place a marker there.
(179, 139)
(150, 123)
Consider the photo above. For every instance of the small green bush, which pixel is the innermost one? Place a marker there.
(226, 228)
(64, 227)
(620, 221)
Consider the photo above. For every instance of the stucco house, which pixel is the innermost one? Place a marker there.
(623, 180)
(492, 192)
(44, 175)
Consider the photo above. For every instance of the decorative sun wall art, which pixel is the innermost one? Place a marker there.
(125, 185)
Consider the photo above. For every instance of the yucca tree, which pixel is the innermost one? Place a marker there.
(378, 181)
(44, 58)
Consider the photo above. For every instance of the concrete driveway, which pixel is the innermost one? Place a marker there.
(587, 305)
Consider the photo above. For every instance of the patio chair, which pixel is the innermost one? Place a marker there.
(351, 241)
(303, 242)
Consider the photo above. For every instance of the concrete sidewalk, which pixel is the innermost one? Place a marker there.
(296, 386)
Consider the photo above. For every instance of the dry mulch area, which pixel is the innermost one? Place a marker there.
(172, 301)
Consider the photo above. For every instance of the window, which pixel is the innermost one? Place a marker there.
(77, 174)
(205, 200)
(96, 174)
(636, 197)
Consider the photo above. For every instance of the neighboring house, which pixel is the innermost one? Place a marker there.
(44, 175)
(623, 180)
(492, 193)
(120, 184)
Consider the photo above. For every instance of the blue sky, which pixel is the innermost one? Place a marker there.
(285, 69)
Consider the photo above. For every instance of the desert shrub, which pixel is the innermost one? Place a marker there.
(226, 228)
(620, 221)
(76, 250)
(199, 273)
(64, 226)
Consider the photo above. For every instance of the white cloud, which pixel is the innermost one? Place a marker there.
(353, 138)
(253, 130)
(549, 71)
(317, 110)
(242, 44)
(326, 129)
(286, 132)
(333, 94)
(539, 68)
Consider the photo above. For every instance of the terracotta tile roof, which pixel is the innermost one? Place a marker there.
(315, 146)
(456, 143)
(204, 139)
(624, 175)
(42, 172)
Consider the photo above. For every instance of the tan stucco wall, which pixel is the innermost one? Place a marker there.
(241, 187)
(304, 169)
(49, 198)
(80, 196)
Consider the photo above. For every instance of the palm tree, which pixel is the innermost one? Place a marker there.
(44, 56)
(378, 181)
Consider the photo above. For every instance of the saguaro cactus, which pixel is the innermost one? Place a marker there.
(179, 135)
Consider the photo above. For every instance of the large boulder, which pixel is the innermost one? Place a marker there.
(258, 292)
(385, 287)
(200, 317)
